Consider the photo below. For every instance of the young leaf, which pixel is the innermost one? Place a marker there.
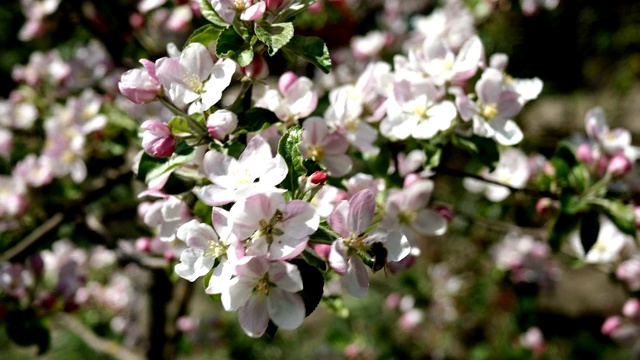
(312, 283)
(256, 118)
(274, 36)
(288, 148)
(179, 125)
(151, 168)
(205, 35)
(483, 149)
(620, 214)
(310, 48)
(589, 229)
(210, 14)
(232, 46)
(562, 227)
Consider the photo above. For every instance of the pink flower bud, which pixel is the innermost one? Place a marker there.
(619, 165)
(136, 20)
(143, 244)
(254, 12)
(185, 324)
(445, 212)
(157, 140)
(319, 177)
(631, 308)
(392, 301)
(543, 206)
(585, 154)
(286, 80)
(221, 123)
(322, 250)
(273, 4)
(258, 69)
(140, 85)
(611, 324)
(410, 179)
(37, 264)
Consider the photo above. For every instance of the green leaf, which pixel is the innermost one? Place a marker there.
(288, 148)
(203, 212)
(25, 329)
(482, 149)
(179, 125)
(310, 48)
(379, 164)
(589, 229)
(563, 225)
(151, 168)
(572, 204)
(312, 285)
(233, 46)
(256, 119)
(620, 214)
(274, 36)
(205, 35)
(210, 14)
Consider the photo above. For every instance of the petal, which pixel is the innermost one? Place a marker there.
(397, 246)
(286, 276)
(430, 222)
(254, 316)
(338, 219)
(361, 210)
(356, 280)
(506, 132)
(285, 309)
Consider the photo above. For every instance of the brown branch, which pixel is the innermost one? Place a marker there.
(33, 237)
(95, 342)
(461, 173)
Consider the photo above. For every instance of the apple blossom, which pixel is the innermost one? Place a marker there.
(205, 246)
(221, 123)
(512, 170)
(272, 226)
(194, 79)
(607, 247)
(406, 211)
(236, 179)
(264, 290)
(157, 139)
(140, 85)
(325, 147)
(351, 220)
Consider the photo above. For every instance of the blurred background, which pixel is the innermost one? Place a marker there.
(459, 300)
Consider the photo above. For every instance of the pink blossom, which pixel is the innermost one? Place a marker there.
(351, 220)
(221, 123)
(263, 290)
(273, 227)
(140, 85)
(236, 179)
(326, 147)
(157, 139)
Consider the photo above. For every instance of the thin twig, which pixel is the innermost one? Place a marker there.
(461, 173)
(95, 342)
(34, 236)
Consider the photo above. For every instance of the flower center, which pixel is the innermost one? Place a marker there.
(352, 124)
(241, 5)
(216, 249)
(269, 229)
(406, 217)
(489, 111)
(193, 82)
(263, 285)
(317, 152)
